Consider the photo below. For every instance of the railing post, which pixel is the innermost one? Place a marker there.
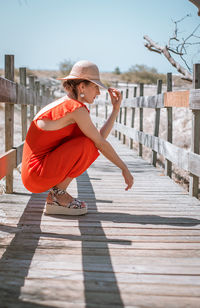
(106, 106)
(22, 78)
(133, 117)
(157, 122)
(37, 93)
(116, 120)
(43, 96)
(32, 88)
(9, 120)
(125, 116)
(168, 164)
(195, 142)
(127, 92)
(141, 117)
(120, 121)
(97, 113)
(120, 118)
(48, 94)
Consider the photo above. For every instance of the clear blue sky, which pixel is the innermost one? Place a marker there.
(42, 33)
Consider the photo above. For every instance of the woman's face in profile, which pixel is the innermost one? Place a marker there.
(90, 91)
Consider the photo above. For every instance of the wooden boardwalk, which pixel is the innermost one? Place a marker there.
(139, 248)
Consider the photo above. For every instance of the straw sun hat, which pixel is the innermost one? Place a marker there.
(85, 70)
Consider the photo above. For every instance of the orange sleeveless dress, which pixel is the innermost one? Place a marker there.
(51, 156)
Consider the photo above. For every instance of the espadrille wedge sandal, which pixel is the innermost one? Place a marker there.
(52, 205)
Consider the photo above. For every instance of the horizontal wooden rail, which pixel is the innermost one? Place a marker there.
(8, 162)
(189, 99)
(180, 157)
(35, 96)
(186, 160)
(8, 91)
(11, 92)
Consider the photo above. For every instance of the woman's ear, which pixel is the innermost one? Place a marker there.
(81, 87)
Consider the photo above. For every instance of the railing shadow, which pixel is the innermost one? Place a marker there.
(100, 284)
(13, 272)
(102, 293)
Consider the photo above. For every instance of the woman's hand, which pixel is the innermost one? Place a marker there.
(116, 98)
(128, 178)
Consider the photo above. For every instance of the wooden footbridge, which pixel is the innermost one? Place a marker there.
(139, 248)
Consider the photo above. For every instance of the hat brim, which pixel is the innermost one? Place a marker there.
(97, 82)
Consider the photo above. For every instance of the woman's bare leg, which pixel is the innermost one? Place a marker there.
(64, 198)
(64, 184)
(59, 195)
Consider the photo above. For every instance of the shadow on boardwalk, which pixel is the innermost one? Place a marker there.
(13, 269)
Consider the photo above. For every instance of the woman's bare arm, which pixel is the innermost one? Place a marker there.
(106, 128)
(83, 120)
(116, 99)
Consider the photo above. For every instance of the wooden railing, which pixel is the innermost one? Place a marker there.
(187, 160)
(12, 93)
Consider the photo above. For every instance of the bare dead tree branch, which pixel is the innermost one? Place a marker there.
(197, 3)
(154, 46)
(175, 35)
(179, 47)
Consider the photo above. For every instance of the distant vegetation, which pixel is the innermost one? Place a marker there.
(65, 66)
(117, 71)
(142, 74)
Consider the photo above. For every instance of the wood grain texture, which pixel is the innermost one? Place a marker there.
(132, 249)
(176, 99)
(7, 162)
(8, 91)
(180, 157)
(195, 140)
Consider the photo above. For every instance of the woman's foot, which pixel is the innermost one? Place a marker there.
(60, 202)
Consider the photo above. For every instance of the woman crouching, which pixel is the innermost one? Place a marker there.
(62, 142)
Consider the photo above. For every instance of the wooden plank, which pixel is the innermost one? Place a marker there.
(141, 118)
(186, 99)
(38, 98)
(21, 94)
(176, 99)
(194, 164)
(195, 142)
(45, 259)
(156, 123)
(32, 96)
(8, 91)
(173, 153)
(125, 120)
(9, 120)
(44, 101)
(194, 99)
(19, 152)
(182, 158)
(120, 121)
(175, 290)
(22, 99)
(168, 163)
(155, 101)
(133, 116)
(7, 162)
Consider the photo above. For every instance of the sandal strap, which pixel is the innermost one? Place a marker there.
(75, 204)
(58, 191)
